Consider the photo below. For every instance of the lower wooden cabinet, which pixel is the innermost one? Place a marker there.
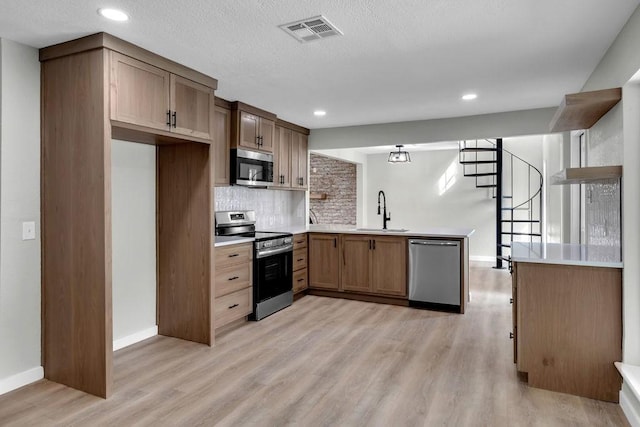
(356, 263)
(324, 261)
(568, 328)
(389, 266)
(300, 281)
(233, 283)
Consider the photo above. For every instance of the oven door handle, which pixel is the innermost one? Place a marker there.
(276, 251)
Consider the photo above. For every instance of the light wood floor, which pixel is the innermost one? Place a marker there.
(326, 362)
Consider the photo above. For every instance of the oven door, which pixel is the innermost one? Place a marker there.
(272, 276)
(251, 168)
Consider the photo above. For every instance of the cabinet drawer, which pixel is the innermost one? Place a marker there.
(299, 259)
(299, 280)
(233, 306)
(299, 241)
(233, 278)
(233, 254)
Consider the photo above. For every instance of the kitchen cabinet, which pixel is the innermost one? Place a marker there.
(389, 265)
(290, 156)
(300, 276)
(148, 96)
(222, 144)
(252, 128)
(374, 264)
(356, 263)
(282, 158)
(95, 89)
(233, 283)
(299, 161)
(568, 327)
(324, 261)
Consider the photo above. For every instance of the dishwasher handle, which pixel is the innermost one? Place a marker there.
(431, 243)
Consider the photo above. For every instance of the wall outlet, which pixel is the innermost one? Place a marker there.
(28, 230)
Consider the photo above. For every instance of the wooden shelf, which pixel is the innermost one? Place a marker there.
(582, 110)
(317, 196)
(586, 175)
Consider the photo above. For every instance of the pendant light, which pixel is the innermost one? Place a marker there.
(399, 156)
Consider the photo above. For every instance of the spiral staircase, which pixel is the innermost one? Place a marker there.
(516, 186)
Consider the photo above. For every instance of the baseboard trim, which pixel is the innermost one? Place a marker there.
(21, 379)
(630, 405)
(134, 338)
(482, 258)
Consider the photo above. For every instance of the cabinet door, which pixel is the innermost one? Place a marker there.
(389, 265)
(282, 158)
(303, 145)
(249, 128)
(192, 107)
(324, 261)
(356, 254)
(139, 93)
(267, 134)
(222, 143)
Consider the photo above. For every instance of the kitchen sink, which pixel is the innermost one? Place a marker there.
(388, 230)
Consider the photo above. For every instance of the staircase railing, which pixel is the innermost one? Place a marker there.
(522, 216)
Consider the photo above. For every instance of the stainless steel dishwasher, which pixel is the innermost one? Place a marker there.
(434, 274)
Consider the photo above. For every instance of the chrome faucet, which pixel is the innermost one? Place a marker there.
(385, 218)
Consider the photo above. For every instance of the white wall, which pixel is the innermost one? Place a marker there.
(20, 349)
(554, 161)
(414, 200)
(133, 195)
(274, 208)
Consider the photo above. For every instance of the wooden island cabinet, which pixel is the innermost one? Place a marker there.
(567, 327)
(94, 89)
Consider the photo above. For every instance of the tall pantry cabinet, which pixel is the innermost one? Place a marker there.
(94, 89)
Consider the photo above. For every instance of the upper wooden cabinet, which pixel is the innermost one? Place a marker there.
(252, 128)
(148, 96)
(290, 156)
(282, 158)
(324, 261)
(222, 144)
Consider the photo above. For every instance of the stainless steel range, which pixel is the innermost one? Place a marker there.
(272, 261)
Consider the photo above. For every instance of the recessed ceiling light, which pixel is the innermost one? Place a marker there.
(469, 96)
(319, 113)
(114, 14)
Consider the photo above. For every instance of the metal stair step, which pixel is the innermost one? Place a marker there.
(514, 233)
(504, 245)
(477, 162)
(504, 258)
(486, 186)
(481, 174)
(515, 209)
(521, 220)
(476, 149)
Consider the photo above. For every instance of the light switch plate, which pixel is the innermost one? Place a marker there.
(28, 230)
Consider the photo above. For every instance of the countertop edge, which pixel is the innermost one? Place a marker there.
(601, 264)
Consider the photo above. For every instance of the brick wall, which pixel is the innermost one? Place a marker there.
(338, 180)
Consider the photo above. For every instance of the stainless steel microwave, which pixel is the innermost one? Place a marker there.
(251, 168)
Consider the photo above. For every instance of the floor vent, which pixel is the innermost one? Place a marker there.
(310, 29)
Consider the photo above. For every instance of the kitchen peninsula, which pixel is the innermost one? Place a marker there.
(567, 317)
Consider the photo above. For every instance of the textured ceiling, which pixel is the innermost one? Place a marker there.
(398, 60)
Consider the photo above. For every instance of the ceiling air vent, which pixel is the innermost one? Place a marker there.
(310, 29)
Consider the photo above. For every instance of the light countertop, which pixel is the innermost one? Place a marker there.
(351, 229)
(231, 240)
(568, 254)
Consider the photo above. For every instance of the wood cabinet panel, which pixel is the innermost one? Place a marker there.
(299, 259)
(139, 93)
(192, 107)
(299, 280)
(299, 159)
(282, 158)
(267, 134)
(249, 130)
(569, 328)
(222, 143)
(233, 278)
(389, 265)
(233, 306)
(324, 261)
(356, 263)
(233, 254)
(299, 241)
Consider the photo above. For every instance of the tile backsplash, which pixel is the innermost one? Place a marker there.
(274, 208)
